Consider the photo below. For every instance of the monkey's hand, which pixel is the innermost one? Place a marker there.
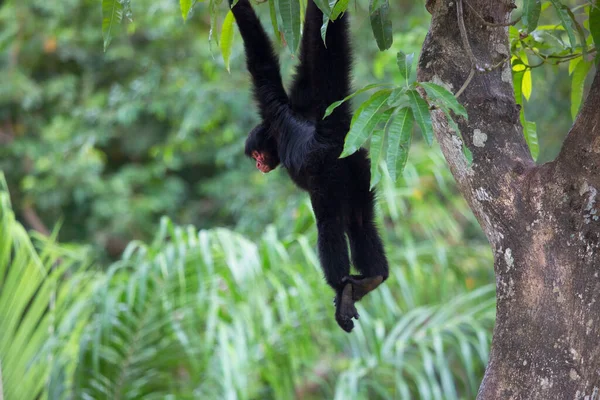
(344, 308)
(361, 286)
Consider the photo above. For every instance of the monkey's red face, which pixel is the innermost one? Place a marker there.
(262, 161)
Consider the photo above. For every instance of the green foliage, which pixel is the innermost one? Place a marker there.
(579, 74)
(213, 315)
(227, 38)
(290, 18)
(594, 25)
(531, 13)
(186, 7)
(564, 39)
(399, 130)
(380, 110)
(381, 23)
(40, 317)
(404, 62)
(365, 119)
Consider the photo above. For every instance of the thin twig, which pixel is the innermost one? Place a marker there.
(463, 33)
(464, 86)
(491, 24)
(466, 46)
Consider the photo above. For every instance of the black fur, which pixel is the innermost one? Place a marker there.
(308, 146)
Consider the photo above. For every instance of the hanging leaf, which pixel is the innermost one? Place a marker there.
(112, 15)
(376, 149)
(531, 13)
(518, 87)
(444, 98)
(324, 29)
(420, 111)
(565, 20)
(404, 62)
(214, 13)
(579, 30)
(335, 105)
(290, 17)
(274, 23)
(324, 6)
(186, 6)
(364, 121)
(339, 8)
(381, 23)
(577, 84)
(527, 84)
(595, 26)
(530, 131)
(399, 133)
(398, 98)
(227, 38)
(572, 64)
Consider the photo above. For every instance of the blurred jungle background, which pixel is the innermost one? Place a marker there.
(143, 256)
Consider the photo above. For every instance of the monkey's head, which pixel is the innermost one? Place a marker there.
(262, 147)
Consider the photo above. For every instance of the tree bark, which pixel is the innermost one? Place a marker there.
(541, 221)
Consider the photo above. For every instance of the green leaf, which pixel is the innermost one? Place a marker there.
(186, 6)
(214, 13)
(364, 121)
(227, 38)
(335, 105)
(324, 6)
(531, 13)
(399, 133)
(290, 17)
(518, 86)
(572, 64)
(274, 24)
(405, 64)
(112, 15)
(577, 84)
(381, 23)
(398, 98)
(445, 98)
(565, 20)
(595, 25)
(527, 83)
(339, 8)
(376, 149)
(531, 138)
(580, 32)
(420, 111)
(324, 29)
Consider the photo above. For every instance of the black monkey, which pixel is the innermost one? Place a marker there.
(294, 133)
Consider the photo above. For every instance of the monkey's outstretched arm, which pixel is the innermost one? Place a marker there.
(261, 61)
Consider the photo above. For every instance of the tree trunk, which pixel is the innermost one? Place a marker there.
(543, 222)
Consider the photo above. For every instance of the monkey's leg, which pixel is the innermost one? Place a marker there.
(333, 254)
(368, 257)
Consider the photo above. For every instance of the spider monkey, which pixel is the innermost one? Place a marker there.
(294, 133)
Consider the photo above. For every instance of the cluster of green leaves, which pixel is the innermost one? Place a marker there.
(286, 19)
(109, 142)
(573, 38)
(388, 116)
(41, 318)
(213, 315)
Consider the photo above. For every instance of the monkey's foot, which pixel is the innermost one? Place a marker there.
(344, 309)
(362, 286)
